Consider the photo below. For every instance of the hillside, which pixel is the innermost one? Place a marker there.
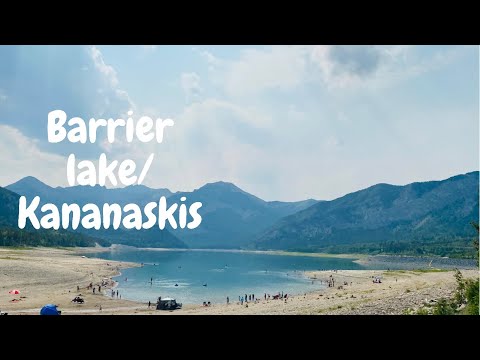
(11, 235)
(232, 217)
(81, 195)
(421, 218)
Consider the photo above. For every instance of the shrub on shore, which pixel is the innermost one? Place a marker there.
(464, 302)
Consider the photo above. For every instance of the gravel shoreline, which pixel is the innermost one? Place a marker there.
(414, 262)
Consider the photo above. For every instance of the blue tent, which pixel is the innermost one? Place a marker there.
(50, 309)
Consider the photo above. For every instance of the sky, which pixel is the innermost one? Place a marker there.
(281, 122)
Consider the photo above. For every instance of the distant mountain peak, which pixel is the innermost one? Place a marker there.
(28, 181)
(223, 185)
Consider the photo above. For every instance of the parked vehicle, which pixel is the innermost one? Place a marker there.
(168, 304)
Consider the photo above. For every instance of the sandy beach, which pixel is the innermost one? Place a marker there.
(47, 275)
(52, 275)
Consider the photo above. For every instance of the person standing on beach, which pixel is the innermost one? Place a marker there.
(241, 301)
(117, 293)
(93, 290)
(228, 300)
(149, 303)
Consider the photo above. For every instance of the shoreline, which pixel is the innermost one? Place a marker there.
(354, 293)
(49, 275)
(115, 247)
(361, 259)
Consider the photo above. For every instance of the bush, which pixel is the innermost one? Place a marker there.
(444, 307)
(471, 294)
(422, 311)
(466, 296)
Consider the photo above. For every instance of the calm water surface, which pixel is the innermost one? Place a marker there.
(183, 274)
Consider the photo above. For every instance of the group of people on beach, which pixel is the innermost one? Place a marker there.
(251, 298)
(93, 287)
(98, 288)
(246, 299)
(279, 296)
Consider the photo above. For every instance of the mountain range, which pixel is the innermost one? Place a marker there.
(11, 235)
(423, 217)
(435, 213)
(81, 195)
(137, 194)
(230, 216)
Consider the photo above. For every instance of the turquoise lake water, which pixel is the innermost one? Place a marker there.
(231, 274)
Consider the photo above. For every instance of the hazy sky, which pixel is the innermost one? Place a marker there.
(281, 122)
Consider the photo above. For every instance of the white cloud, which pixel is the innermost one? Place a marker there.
(115, 99)
(21, 156)
(375, 66)
(149, 47)
(211, 140)
(212, 61)
(218, 113)
(190, 83)
(107, 70)
(334, 66)
(278, 67)
(287, 67)
(208, 56)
